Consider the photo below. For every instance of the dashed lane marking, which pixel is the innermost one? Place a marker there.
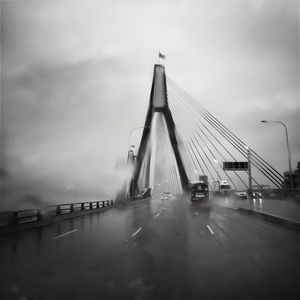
(210, 230)
(64, 234)
(134, 234)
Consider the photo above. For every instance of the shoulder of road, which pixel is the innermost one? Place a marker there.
(282, 211)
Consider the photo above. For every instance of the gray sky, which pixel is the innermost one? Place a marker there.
(76, 78)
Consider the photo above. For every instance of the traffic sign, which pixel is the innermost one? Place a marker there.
(235, 165)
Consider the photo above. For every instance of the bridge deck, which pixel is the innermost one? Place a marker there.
(163, 249)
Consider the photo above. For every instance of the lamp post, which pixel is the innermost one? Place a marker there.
(288, 150)
(249, 171)
(130, 133)
(132, 187)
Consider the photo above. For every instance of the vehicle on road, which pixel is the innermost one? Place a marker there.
(269, 195)
(221, 187)
(257, 195)
(203, 178)
(199, 190)
(166, 196)
(241, 194)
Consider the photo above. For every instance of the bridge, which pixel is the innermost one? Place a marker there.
(191, 142)
(152, 241)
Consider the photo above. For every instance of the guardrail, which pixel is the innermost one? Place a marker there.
(33, 215)
(26, 215)
(62, 209)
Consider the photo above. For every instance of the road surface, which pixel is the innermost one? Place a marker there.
(158, 249)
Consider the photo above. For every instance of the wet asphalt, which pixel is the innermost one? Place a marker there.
(154, 249)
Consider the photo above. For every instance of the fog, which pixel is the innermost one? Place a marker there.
(76, 78)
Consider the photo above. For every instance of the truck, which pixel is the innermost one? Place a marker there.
(221, 187)
(203, 178)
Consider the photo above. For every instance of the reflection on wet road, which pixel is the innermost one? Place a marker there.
(158, 249)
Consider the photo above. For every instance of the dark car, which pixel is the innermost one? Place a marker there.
(257, 195)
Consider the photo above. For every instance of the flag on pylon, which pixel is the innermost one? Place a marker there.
(162, 56)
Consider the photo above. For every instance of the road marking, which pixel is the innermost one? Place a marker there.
(197, 214)
(157, 215)
(210, 230)
(134, 234)
(61, 235)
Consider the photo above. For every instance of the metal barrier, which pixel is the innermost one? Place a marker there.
(34, 215)
(26, 216)
(62, 209)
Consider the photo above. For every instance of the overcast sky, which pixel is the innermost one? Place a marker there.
(76, 78)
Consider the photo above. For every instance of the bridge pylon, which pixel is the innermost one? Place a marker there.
(158, 103)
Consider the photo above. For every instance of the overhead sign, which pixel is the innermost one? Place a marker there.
(235, 166)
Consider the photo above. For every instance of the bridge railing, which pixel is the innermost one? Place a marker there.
(33, 215)
(27, 215)
(62, 209)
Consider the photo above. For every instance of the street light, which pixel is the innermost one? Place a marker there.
(249, 170)
(288, 150)
(130, 133)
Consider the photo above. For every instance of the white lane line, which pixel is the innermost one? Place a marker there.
(61, 235)
(137, 231)
(157, 215)
(210, 230)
